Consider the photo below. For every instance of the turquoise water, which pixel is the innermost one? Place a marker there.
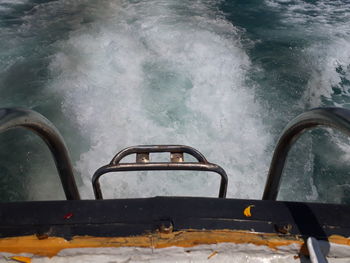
(222, 76)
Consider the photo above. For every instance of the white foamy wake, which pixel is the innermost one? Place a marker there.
(327, 25)
(9, 5)
(162, 72)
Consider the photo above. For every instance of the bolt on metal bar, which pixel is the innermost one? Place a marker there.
(333, 117)
(17, 117)
(158, 148)
(143, 164)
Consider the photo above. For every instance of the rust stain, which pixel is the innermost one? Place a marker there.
(212, 254)
(189, 238)
(21, 259)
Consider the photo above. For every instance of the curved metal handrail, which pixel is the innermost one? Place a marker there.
(17, 117)
(143, 164)
(158, 148)
(337, 118)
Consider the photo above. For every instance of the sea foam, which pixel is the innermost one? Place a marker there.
(162, 72)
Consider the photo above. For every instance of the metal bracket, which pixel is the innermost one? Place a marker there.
(144, 163)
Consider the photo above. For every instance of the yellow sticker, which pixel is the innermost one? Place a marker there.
(21, 259)
(247, 211)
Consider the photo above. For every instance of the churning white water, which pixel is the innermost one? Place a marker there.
(162, 72)
(222, 76)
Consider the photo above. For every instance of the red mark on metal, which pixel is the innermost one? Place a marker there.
(68, 215)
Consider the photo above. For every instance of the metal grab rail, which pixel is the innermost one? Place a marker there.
(18, 117)
(143, 164)
(337, 118)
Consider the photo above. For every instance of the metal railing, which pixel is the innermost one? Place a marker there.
(337, 118)
(17, 117)
(143, 164)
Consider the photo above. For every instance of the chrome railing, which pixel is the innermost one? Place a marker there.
(17, 117)
(143, 163)
(337, 118)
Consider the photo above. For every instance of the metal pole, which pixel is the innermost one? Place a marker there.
(337, 118)
(17, 117)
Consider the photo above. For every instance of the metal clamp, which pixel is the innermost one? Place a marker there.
(143, 163)
(18, 117)
(337, 118)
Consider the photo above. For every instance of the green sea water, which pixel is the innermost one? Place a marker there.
(222, 76)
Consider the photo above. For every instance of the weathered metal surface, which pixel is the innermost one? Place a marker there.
(127, 217)
(50, 246)
(186, 238)
(45, 228)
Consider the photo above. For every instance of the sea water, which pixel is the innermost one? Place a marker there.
(224, 77)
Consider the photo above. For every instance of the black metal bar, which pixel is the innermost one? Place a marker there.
(17, 117)
(201, 165)
(130, 217)
(337, 118)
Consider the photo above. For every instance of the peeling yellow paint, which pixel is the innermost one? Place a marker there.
(340, 240)
(189, 238)
(21, 259)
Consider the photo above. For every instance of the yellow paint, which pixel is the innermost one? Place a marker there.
(21, 259)
(340, 240)
(247, 211)
(52, 245)
(189, 238)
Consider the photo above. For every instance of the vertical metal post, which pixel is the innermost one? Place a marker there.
(337, 118)
(17, 117)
